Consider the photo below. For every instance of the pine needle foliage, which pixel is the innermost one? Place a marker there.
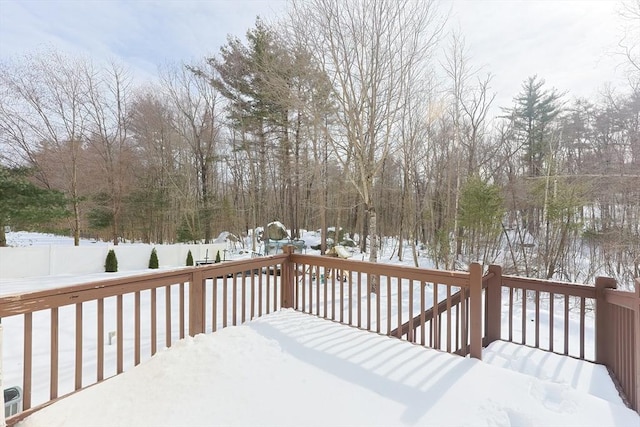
(111, 264)
(153, 259)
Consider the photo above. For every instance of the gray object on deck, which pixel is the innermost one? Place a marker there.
(12, 401)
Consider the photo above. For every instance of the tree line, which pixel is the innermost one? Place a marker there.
(344, 115)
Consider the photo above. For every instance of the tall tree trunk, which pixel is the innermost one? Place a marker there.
(76, 207)
(373, 246)
(325, 199)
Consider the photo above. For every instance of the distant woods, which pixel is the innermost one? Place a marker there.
(341, 116)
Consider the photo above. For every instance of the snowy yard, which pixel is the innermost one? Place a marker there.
(289, 368)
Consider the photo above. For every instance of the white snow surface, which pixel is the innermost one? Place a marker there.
(290, 368)
(294, 369)
(29, 238)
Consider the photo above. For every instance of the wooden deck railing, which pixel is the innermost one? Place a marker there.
(338, 289)
(161, 306)
(457, 312)
(564, 305)
(613, 338)
(618, 336)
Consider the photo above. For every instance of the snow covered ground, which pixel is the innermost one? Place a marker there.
(28, 238)
(290, 368)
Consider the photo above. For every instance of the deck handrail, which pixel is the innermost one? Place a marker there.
(461, 334)
(186, 289)
(618, 336)
(455, 300)
(214, 296)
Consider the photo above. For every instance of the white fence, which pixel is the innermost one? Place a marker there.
(53, 260)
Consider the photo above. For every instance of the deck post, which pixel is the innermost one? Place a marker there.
(286, 278)
(2, 418)
(475, 310)
(604, 346)
(494, 301)
(196, 303)
(636, 349)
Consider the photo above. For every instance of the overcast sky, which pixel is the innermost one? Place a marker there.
(569, 43)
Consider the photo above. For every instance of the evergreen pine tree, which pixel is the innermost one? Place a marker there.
(111, 264)
(481, 212)
(189, 258)
(217, 257)
(534, 112)
(24, 204)
(534, 118)
(153, 260)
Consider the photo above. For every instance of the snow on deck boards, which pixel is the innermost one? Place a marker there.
(290, 368)
(583, 376)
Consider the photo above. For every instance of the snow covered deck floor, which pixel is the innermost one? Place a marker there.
(293, 369)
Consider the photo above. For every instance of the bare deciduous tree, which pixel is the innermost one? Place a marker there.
(367, 49)
(630, 41)
(108, 98)
(196, 121)
(47, 92)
